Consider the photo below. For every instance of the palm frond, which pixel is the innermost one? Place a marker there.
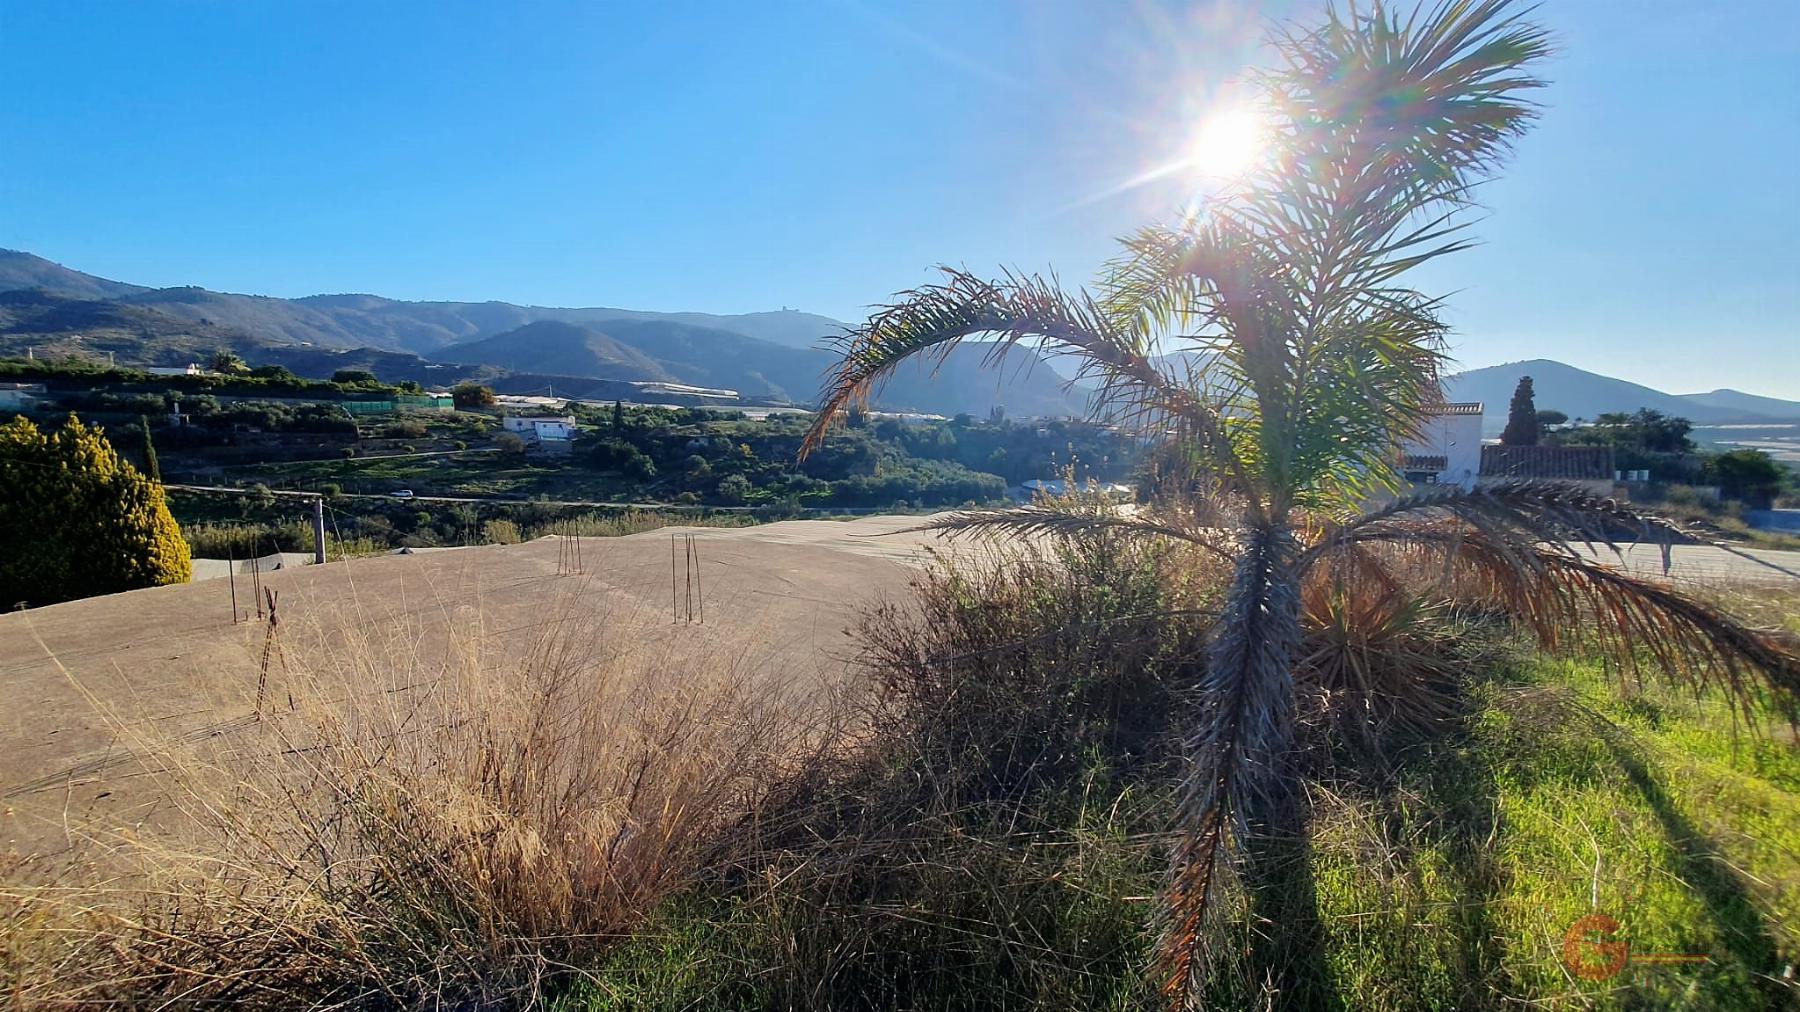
(1568, 601)
(1559, 512)
(933, 320)
(1384, 119)
(1048, 521)
(1237, 756)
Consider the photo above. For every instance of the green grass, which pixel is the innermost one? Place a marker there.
(1446, 885)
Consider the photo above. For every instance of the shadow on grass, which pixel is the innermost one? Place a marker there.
(1456, 782)
(1464, 788)
(1743, 930)
(1288, 955)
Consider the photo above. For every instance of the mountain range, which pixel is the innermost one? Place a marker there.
(770, 356)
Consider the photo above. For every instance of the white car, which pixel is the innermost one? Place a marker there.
(402, 493)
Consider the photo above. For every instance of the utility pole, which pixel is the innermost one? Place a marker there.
(319, 530)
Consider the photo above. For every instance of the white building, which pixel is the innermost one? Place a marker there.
(191, 369)
(1447, 448)
(542, 429)
(20, 396)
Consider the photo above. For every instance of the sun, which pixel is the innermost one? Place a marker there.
(1229, 143)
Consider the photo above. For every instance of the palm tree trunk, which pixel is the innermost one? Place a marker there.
(1240, 771)
(1287, 951)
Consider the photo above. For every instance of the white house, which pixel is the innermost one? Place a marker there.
(541, 429)
(1447, 448)
(20, 396)
(1116, 490)
(191, 369)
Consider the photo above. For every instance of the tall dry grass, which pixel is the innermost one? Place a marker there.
(410, 825)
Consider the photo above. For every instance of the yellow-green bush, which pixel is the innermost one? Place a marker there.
(76, 520)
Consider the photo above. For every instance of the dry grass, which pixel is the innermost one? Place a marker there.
(404, 827)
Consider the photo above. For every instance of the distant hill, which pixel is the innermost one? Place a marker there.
(549, 346)
(1584, 394)
(50, 325)
(705, 356)
(1737, 400)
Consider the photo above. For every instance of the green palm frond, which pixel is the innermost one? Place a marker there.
(1417, 104)
(932, 320)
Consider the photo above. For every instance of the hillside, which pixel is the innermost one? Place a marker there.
(548, 346)
(1584, 394)
(23, 270)
(703, 356)
(53, 325)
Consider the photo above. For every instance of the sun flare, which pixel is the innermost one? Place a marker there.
(1228, 144)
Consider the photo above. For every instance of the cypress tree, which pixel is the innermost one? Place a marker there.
(1521, 417)
(618, 416)
(151, 468)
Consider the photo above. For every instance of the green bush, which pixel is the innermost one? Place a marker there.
(76, 520)
(734, 488)
(500, 532)
(471, 396)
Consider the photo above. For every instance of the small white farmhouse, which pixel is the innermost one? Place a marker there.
(1447, 448)
(541, 429)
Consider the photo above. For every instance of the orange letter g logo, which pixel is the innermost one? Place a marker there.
(1597, 957)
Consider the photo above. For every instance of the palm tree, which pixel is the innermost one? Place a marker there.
(1314, 361)
(227, 361)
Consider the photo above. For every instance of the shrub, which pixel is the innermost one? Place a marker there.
(989, 837)
(404, 428)
(461, 840)
(734, 488)
(76, 520)
(500, 532)
(472, 396)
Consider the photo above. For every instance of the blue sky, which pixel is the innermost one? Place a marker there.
(731, 157)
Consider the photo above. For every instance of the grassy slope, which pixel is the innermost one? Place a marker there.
(1451, 887)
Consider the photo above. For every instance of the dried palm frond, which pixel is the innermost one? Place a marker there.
(1049, 521)
(1376, 654)
(1646, 628)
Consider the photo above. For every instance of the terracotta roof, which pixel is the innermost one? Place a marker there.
(1459, 408)
(1424, 462)
(1565, 463)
